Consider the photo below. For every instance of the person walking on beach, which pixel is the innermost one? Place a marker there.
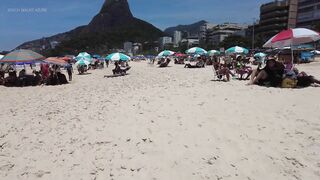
(69, 70)
(107, 63)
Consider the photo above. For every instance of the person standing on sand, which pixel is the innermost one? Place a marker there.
(69, 70)
(107, 63)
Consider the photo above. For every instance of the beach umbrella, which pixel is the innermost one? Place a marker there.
(55, 60)
(237, 50)
(84, 56)
(260, 55)
(180, 55)
(82, 63)
(292, 37)
(166, 53)
(66, 58)
(22, 56)
(213, 53)
(118, 57)
(1, 56)
(196, 50)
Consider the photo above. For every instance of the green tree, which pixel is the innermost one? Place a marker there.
(235, 41)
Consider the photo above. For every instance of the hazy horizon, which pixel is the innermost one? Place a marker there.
(29, 19)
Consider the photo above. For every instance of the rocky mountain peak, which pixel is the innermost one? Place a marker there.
(116, 7)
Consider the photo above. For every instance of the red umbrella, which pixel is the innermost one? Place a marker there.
(66, 58)
(292, 37)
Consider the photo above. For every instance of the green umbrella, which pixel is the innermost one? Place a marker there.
(82, 63)
(166, 53)
(84, 56)
(237, 50)
(118, 57)
(213, 53)
(196, 50)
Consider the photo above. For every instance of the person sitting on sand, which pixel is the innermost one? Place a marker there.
(222, 70)
(200, 63)
(52, 78)
(12, 79)
(61, 78)
(37, 80)
(242, 69)
(271, 75)
(161, 61)
(305, 80)
(2, 71)
(165, 63)
(116, 68)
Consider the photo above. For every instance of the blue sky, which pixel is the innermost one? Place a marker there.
(24, 20)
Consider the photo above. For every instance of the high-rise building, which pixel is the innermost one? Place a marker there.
(276, 16)
(165, 40)
(203, 30)
(308, 13)
(177, 37)
(128, 47)
(217, 34)
(54, 44)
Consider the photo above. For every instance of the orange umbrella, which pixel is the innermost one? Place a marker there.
(55, 60)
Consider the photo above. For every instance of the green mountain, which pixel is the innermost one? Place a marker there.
(109, 29)
(191, 28)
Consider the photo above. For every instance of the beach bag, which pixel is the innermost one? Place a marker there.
(289, 83)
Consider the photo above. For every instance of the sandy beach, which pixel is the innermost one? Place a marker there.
(160, 124)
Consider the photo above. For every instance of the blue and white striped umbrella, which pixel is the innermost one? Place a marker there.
(118, 57)
(84, 56)
(196, 50)
(166, 53)
(237, 50)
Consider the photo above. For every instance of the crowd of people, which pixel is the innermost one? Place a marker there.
(269, 72)
(47, 75)
(278, 74)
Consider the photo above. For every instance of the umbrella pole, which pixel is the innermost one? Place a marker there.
(292, 58)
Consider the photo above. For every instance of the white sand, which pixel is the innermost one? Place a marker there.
(160, 124)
